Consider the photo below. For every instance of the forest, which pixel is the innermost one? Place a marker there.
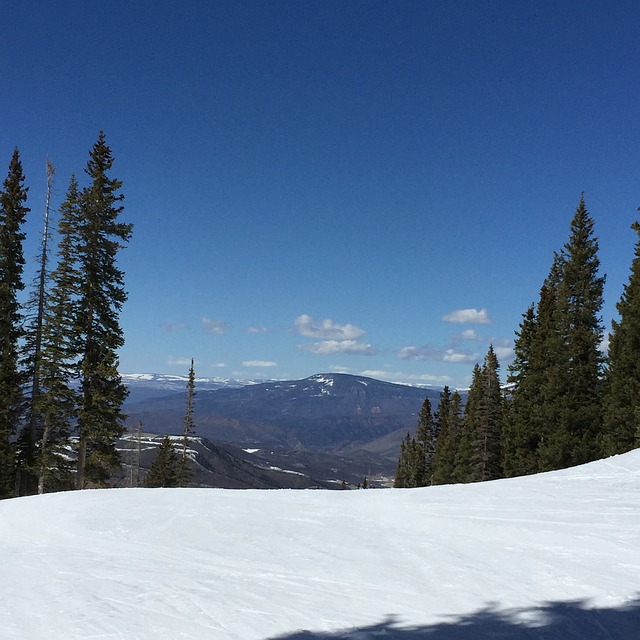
(568, 399)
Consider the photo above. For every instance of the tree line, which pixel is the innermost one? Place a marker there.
(566, 402)
(61, 394)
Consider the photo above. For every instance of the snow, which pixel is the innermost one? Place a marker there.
(555, 556)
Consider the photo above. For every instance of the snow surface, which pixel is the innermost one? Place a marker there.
(542, 557)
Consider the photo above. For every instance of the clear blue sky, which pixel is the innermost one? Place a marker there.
(326, 186)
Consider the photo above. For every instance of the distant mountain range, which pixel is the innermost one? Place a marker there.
(352, 418)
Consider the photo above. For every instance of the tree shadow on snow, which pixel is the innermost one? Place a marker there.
(551, 621)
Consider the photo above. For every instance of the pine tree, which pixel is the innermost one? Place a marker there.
(185, 470)
(520, 435)
(578, 371)
(487, 430)
(622, 399)
(462, 469)
(100, 298)
(33, 427)
(13, 212)
(555, 413)
(448, 424)
(402, 468)
(425, 445)
(61, 348)
(164, 470)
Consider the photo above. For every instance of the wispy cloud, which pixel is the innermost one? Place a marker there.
(257, 330)
(214, 326)
(180, 362)
(338, 368)
(329, 347)
(429, 352)
(218, 365)
(468, 316)
(259, 363)
(326, 329)
(172, 327)
(406, 378)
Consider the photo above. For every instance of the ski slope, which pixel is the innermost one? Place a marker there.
(553, 556)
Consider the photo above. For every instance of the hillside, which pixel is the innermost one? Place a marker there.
(548, 557)
(322, 413)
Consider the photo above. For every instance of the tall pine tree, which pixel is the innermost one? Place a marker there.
(101, 296)
(622, 398)
(577, 373)
(448, 420)
(185, 470)
(13, 211)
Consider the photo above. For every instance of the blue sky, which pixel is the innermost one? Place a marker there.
(369, 187)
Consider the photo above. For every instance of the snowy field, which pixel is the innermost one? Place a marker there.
(555, 556)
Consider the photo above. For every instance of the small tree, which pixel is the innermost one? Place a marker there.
(164, 470)
(185, 470)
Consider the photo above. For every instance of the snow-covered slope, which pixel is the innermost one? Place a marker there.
(551, 556)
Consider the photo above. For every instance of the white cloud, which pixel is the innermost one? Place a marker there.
(468, 316)
(429, 352)
(214, 326)
(604, 345)
(469, 334)
(338, 368)
(306, 326)
(219, 365)
(503, 353)
(328, 347)
(450, 355)
(406, 378)
(257, 330)
(172, 327)
(180, 362)
(259, 363)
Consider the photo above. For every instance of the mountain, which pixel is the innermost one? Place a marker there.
(225, 466)
(143, 386)
(322, 413)
(548, 557)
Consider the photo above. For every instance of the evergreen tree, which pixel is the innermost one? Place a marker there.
(32, 429)
(101, 295)
(164, 471)
(448, 424)
(555, 413)
(13, 212)
(462, 469)
(425, 445)
(487, 427)
(403, 470)
(185, 470)
(578, 371)
(622, 399)
(57, 400)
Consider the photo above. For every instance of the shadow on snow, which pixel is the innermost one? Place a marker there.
(550, 621)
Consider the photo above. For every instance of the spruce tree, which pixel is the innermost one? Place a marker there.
(486, 431)
(13, 211)
(403, 470)
(522, 432)
(425, 445)
(57, 400)
(100, 298)
(448, 424)
(33, 427)
(185, 470)
(622, 399)
(579, 362)
(164, 470)
(462, 470)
